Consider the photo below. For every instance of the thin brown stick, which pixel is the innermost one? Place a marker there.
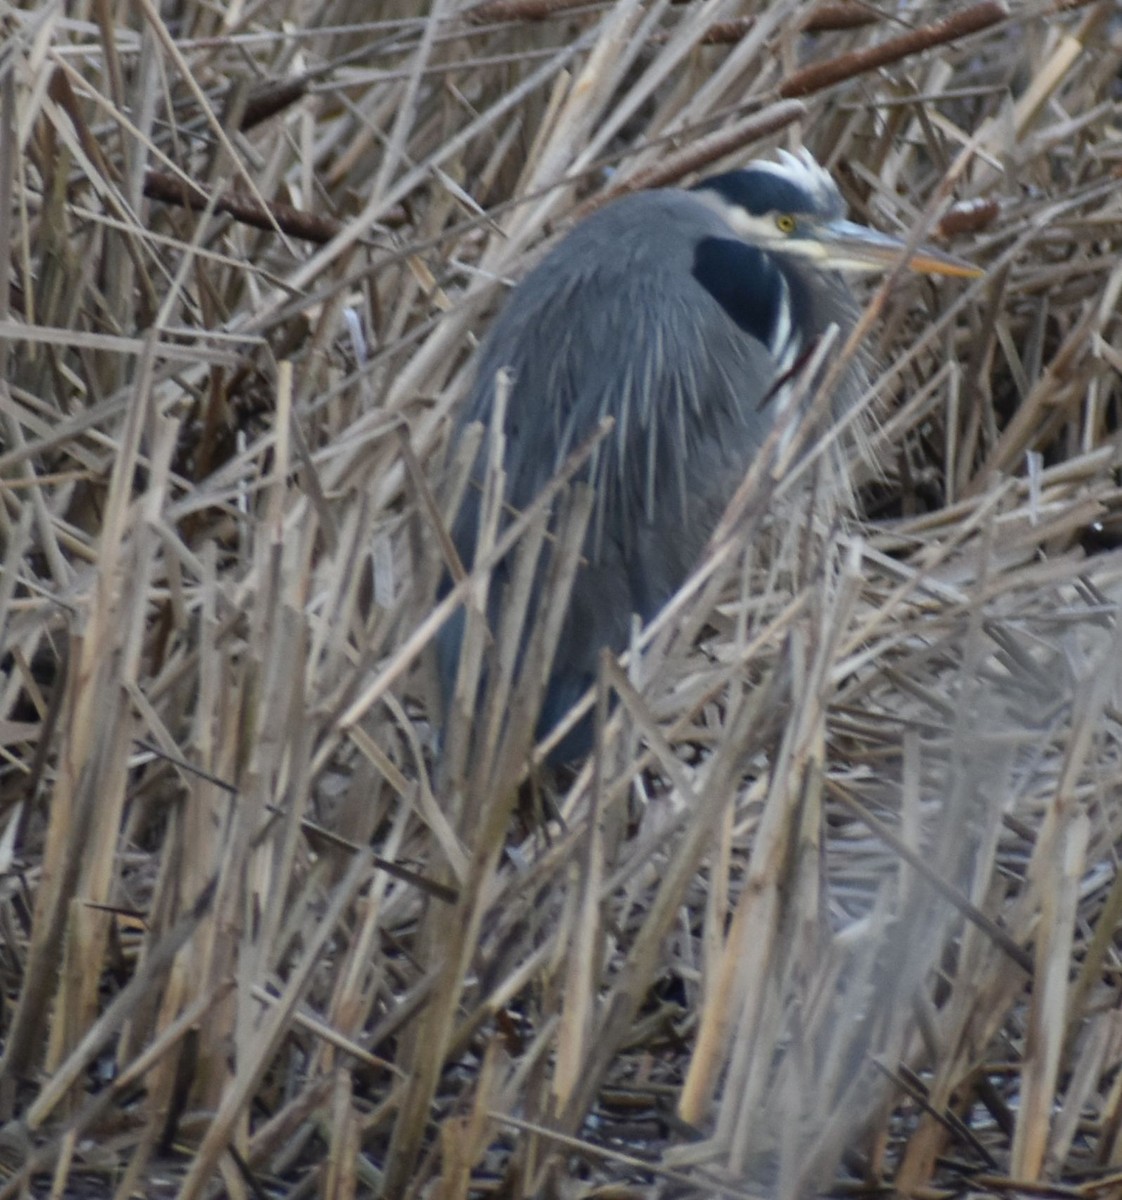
(311, 227)
(491, 11)
(703, 151)
(823, 18)
(818, 76)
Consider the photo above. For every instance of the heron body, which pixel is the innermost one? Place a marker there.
(679, 314)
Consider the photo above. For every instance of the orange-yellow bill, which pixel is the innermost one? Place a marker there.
(853, 247)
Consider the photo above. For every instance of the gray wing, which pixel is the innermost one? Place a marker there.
(614, 323)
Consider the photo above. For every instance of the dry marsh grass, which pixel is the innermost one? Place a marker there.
(833, 905)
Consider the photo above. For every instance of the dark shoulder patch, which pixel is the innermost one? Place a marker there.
(743, 280)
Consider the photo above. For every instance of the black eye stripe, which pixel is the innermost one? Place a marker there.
(760, 192)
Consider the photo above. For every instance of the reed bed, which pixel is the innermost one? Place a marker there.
(833, 906)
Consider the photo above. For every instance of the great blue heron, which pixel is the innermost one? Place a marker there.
(680, 314)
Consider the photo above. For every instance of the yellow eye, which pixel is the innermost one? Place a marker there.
(785, 223)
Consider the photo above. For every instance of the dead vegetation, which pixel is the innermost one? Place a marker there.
(834, 903)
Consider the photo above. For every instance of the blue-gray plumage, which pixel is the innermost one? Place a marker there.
(679, 314)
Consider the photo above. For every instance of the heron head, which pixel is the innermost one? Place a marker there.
(794, 207)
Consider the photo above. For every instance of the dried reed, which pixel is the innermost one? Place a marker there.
(833, 903)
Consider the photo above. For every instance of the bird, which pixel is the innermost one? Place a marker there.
(681, 314)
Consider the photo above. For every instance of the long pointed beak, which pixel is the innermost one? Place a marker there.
(853, 247)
